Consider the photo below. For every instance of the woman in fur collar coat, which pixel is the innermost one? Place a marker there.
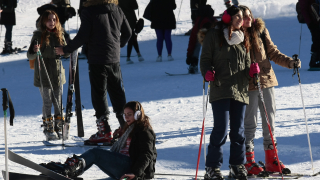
(262, 51)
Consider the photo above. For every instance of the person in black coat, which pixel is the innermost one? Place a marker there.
(128, 7)
(133, 156)
(105, 28)
(8, 19)
(163, 21)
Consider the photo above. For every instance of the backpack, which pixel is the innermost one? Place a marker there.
(8, 5)
(299, 16)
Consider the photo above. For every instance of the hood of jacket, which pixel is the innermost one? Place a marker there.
(259, 25)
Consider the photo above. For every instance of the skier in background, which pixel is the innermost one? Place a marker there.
(106, 29)
(48, 35)
(262, 52)
(314, 28)
(8, 19)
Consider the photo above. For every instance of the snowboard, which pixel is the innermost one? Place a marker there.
(25, 162)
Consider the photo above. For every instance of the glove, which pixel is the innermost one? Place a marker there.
(254, 69)
(293, 63)
(210, 75)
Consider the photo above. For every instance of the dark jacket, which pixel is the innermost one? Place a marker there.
(305, 6)
(64, 13)
(101, 25)
(162, 14)
(231, 65)
(128, 7)
(81, 6)
(9, 18)
(143, 153)
(50, 59)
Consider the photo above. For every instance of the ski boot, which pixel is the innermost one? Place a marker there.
(140, 58)
(314, 62)
(7, 48)
(272, 163)
(238, 172)
(104, 134)
(48, 130)
(129, 61)
(58, 125)
(193, 69)
(252, 167)
(213, 173)
(72, 168)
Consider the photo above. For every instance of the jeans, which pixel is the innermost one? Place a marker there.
(223, 110)
(48, 99)
(113, 164)
(164, 34)
(107, 79)
(8, 35)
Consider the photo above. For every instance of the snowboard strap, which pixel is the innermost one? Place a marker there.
(6, 101)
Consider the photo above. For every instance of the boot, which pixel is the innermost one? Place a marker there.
(271, 164)
(48, 130)
(252, 167)
(7, 48)
(72, 168)
(213, 173)
(140, 58)
(58, 125)
(104, 134)
(315, 61)
(193, 69)
(129, 61)
(238, 172)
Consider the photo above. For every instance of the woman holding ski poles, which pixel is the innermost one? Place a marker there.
(47, 75)
(262, 50)
(133, 156)
(226, 49)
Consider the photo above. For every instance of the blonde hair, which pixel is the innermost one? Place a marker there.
(42, 26)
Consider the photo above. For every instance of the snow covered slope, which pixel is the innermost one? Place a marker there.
(173, 103)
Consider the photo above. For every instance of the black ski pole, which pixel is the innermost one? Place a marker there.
(257, 82)
(5, 107)
(296, 71)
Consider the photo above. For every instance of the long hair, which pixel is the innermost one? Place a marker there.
(142, 122)
(252, 32)
(43, 28)
(221, 26)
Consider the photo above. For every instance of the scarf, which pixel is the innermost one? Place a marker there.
(117, 146)
(237, 37)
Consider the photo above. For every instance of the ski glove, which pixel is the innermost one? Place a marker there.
(210, 75)
(254, 69)
(293, 63)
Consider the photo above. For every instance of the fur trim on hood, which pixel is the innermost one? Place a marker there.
(259, 25)
(99, 2)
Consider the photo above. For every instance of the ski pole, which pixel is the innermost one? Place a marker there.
(203, 127)
(179, 10)
(268, 122)
(5, 107)
(296, 71)
(61, 93)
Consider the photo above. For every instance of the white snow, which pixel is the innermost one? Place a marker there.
(173, 103)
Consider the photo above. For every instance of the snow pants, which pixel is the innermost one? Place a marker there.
(48, 100)
(164, 35)
(251, 118)
(315, 34)
(113, 164)
(223, 110)
(107, 79)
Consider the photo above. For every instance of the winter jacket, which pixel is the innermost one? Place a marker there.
(105, 28)
(50, 59)
(9, 18)
(204, 20)
(143, 153)
(267, 75)
(231, 64)
(128, 7)
(306, 11)
(64, 13)
(162, 14)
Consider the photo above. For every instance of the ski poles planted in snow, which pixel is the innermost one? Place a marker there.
(296, 71)
(7, 100)
(203, 126)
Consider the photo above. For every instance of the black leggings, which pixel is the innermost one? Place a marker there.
(133, 42)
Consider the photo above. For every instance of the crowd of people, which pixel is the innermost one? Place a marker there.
(235, 51)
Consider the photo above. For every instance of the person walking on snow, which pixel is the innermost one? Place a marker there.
(262, 51)
(49, 35)
(128, 7)
(8, 19)
(226, 49)
(163, 21)
(106, 29)
(132, 157)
